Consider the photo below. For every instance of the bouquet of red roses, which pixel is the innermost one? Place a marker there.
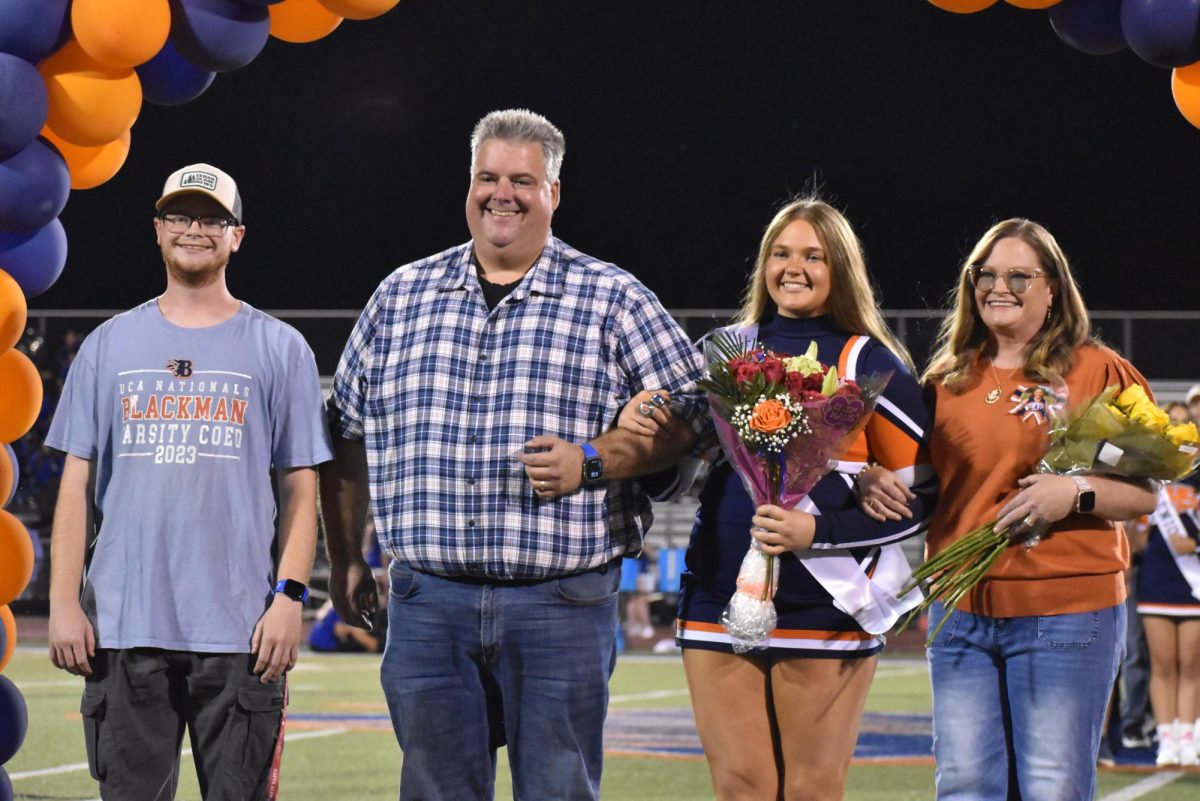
(783, 422)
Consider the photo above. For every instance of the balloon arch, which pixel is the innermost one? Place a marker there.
(74, 74)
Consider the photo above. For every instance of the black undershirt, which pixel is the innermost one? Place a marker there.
(494, 293)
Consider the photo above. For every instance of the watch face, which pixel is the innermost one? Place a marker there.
(1087, 501)
(292, 589)
(593, 469)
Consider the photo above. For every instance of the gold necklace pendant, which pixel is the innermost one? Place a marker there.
(995, 394)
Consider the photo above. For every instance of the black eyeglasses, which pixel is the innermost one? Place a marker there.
(1017, 279)
(209, 226)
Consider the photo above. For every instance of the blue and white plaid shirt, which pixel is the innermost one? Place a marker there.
(445, 393)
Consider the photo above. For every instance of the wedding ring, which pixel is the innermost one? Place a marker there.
(1029, 522)
(645, 409)
(542, 485)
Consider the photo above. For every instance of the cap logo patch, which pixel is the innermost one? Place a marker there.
(201, 179)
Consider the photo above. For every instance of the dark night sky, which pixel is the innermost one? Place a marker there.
(686, 123)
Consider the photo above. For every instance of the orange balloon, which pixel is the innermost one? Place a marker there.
(10, 635)
(121, 33)
(302, 21)
(7, 475)
(21, 398)
(90, 104)
(964, 6)
(90, 166)
(1030, 4)
(16, 557)
(1185, 88)
(359, 9)
(13, 313)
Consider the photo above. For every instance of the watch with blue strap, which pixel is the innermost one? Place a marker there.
(593, 465)
(292, 589)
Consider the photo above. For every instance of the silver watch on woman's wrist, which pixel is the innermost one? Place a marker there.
(1085, 496)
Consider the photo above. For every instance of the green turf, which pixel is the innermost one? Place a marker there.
(363, 764)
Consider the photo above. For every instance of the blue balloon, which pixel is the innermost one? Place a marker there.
(34, 185)
(1165, 33)
(35, 261)
(219, 35)
(6, 791)
(24, 100)
(11, 455)
(169, 79)
(263, 3)
(1093, 26)
(32, 29)
(14, 719)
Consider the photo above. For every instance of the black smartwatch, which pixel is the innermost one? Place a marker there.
(1085, 500)
(593, 465)
(292, 589)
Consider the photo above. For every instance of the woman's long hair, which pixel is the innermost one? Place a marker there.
(852, 303)
(963, 336)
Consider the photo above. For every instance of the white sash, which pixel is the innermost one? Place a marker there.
(1166, 519)
(873, 601)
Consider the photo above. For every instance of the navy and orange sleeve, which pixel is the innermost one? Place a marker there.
(894, 438)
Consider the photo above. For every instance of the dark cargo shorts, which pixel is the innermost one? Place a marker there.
(138, 702)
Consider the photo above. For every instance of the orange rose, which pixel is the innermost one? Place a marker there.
(770, 416)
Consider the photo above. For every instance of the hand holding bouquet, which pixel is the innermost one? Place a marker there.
(783, 422)
(1123, 435)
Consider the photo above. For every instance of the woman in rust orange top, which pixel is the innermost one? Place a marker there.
(1022, 671)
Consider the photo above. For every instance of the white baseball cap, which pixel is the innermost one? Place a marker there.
(1193, 393)
(203, 179)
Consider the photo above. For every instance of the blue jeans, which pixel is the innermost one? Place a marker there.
(1021, 696)
(471, 666)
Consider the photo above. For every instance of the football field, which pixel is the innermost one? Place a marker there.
(340, 747)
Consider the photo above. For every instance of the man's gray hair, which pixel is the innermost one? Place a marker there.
(521, 125)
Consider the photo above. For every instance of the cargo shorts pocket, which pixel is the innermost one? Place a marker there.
(249, 742)
(97, 732)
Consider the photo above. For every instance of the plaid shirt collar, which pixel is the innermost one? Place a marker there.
(545, 277)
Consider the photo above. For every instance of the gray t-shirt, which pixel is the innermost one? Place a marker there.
(184, 425)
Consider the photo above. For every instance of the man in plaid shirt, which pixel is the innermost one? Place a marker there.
(476, 397)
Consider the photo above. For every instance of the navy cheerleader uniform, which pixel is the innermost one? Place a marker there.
(1163, 587)
(810, 623)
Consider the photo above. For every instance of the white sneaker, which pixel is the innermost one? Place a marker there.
(1187, 750)
(1168, 746)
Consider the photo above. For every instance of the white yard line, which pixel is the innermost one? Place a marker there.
(342, 664)
(74, 766)
(31, 774)
(647, 696)
(24, 685)
(1144, 787)
(892, 673)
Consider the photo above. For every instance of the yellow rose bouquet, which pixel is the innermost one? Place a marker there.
(1122, 434)
(783, 422)
(1117, 434)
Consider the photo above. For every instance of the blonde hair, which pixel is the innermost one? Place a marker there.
(852, 303)
(963, 335)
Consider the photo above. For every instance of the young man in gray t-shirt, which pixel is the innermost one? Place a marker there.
(173, 417)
